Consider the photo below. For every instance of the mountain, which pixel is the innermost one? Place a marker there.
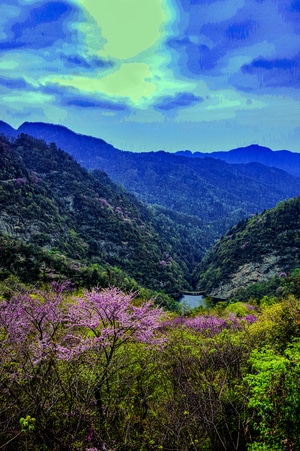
(255, 250)
(56, 217)
(218, 193)
(281, 159)
(6, 129)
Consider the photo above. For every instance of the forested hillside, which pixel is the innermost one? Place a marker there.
(55, 217)
(194, 201)
(258, 249)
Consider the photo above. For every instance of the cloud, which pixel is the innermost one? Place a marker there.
(127, 27)
(14, 83)
(37, 27)
(295, 6)
(271, 73)
(44, 14)
(241, 30)
(122, 62)
(210, 34)
(83, 63)
(132, 81)
(9, 45)
(181, 100)
(85, 102)
(64, 96)
(284, 64)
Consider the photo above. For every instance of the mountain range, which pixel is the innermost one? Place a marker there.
(99, 215)
(281, 159)
(218, 193)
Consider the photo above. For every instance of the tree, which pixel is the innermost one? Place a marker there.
(61, 357)
(274, 398)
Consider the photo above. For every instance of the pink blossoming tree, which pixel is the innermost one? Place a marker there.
(61, 356)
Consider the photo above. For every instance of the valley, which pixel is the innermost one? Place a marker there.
(176, 206)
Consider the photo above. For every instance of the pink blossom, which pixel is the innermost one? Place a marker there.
(205, 323)
(21, 181)
(250, 318)
(104, 202)
(44, 324)
(35, 178)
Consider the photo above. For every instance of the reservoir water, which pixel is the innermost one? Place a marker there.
(192, 300)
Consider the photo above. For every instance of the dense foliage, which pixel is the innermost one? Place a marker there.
(87, 223)
(272, 236)
(103, 370)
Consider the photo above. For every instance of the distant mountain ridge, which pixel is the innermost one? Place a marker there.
(6, 129)
(281, 159)
(71, 141)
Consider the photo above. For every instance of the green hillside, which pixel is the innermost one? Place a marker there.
(255, 250)
(67, 220)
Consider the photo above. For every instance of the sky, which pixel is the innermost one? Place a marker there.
(146, 75)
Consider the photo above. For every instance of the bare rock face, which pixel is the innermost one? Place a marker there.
(247, 274)
(7, 226)
(69, 202)
(18, 227)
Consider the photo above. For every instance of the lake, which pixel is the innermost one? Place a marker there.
(192, 301)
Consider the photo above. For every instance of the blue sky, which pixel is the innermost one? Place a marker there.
(146, 75)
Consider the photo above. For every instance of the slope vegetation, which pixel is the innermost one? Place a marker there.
(258, 249)
(52, 207)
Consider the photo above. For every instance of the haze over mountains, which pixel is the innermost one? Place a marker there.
(281, 159)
